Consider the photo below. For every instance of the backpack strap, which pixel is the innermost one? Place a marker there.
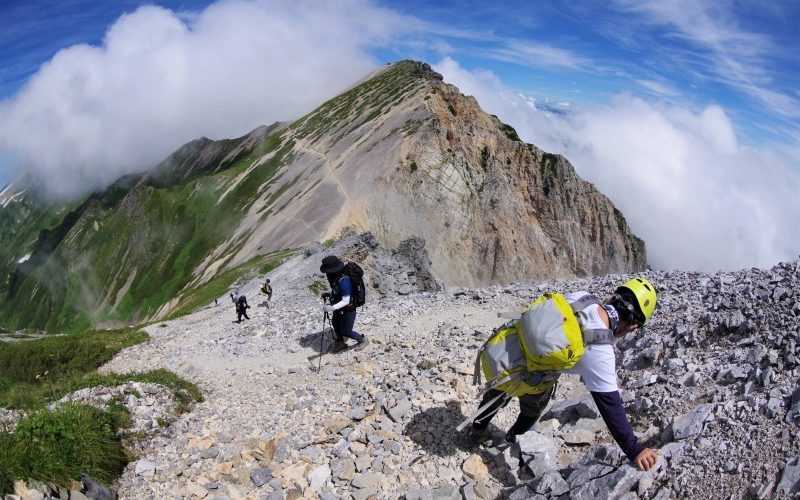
(591, 336)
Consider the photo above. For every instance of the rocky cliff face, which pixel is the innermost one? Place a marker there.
(406, 154)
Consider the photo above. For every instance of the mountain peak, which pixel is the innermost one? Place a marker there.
(402, 153)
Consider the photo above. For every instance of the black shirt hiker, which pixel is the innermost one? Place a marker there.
(241, 307)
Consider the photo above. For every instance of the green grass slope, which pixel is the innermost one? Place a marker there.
(118, 256)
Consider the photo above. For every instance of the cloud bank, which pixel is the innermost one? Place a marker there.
(699, 199)
(93, 113)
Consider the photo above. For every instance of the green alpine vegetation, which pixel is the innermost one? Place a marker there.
(37, 372)
(73, 439)
(119, 255)
(60, 445)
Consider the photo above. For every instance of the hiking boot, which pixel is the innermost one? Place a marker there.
(362, 343)
(339, 345)
(478, 433)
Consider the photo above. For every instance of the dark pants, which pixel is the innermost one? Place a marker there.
(343, 322)
(531, 407)
(240, 313)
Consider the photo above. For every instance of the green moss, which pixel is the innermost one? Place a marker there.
(548, 171)
(413, 167)
(621, 225)
(509, 131)
(452, 109)
(317, 287)
(485, 157)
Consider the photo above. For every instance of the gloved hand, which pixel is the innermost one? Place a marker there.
(325, 295)
(328, 308)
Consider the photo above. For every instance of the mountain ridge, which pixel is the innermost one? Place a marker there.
(401, 154)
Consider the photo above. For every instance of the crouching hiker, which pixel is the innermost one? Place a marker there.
(347, 293)
(524, 358)
(241, 307)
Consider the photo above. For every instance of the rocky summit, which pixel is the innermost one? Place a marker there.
(711, 382)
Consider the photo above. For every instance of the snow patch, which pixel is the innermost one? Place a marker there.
(23, 259)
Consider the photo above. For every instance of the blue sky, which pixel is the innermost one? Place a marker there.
(675, 104)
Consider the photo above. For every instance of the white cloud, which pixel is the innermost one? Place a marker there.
(160, 79)
(699, 199)
(658, 88)
(537, 55)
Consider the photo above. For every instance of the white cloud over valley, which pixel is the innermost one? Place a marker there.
(93, 113)
(698, 198)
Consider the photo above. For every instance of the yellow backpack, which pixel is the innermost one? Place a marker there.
(525, 355)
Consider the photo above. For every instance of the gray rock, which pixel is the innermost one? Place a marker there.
(419, 495)
(400, 410)
(793, 415)
(608, 454)
(145, 468)
(311, 453)
(367, 480)
(95, 490)
(358, 413)
(551, 484)
(584, 475)
(613, 485)
(343, 469)
(364, 493)
(691, 424)
(790, 478)
(538, 452)
(572, 409)
(523, 493)
(446, 492)
(276, 495)
(261, 476)
(468, 492)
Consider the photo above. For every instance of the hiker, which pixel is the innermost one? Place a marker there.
(341, 305)
(241, 307)
(601, 323)
(266, 289)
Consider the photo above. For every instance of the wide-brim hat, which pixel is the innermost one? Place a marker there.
(331, 264)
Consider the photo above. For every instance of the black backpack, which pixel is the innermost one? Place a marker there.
(356, 274)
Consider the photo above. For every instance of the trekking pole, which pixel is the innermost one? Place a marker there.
(321, 341)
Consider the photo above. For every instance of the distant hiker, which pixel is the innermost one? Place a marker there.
(344, 297)
(598, 325)
(266, 289)
(241, 307)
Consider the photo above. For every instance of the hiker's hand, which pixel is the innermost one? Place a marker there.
(328, 309)
(646, 459)
(325, 295)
